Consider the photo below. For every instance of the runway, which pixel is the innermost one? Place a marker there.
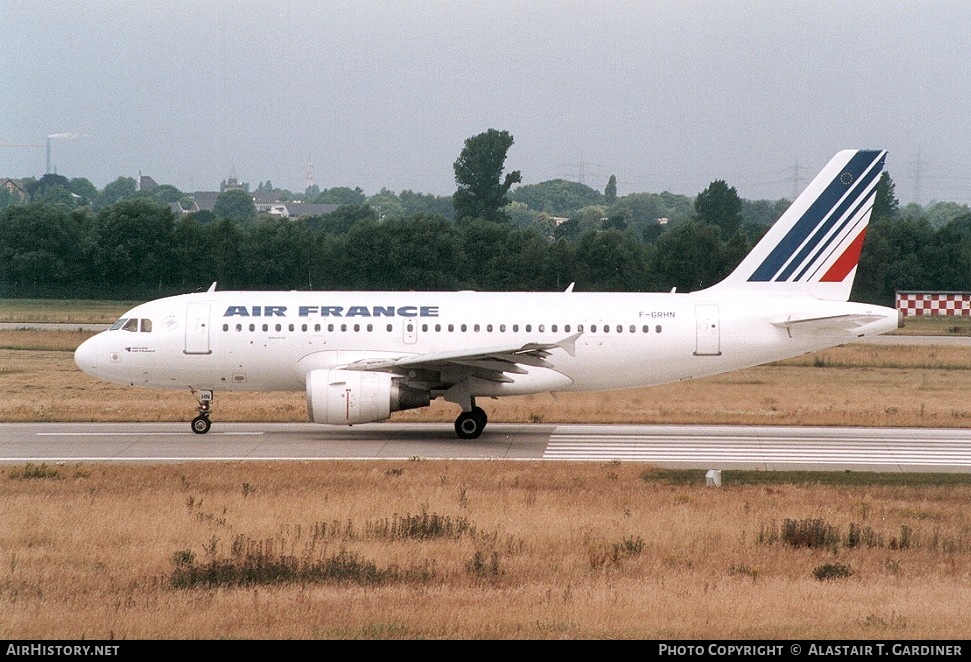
(667, 446)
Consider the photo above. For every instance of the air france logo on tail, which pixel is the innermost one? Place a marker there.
(824, 242)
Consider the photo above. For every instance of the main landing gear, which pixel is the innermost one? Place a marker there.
(201, 423)
(470, 424)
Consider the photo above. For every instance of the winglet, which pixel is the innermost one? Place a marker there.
(569, 344)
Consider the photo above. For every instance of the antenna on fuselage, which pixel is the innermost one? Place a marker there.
(570, 287)
(212, 288)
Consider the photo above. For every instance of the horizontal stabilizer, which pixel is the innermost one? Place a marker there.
(839, 324)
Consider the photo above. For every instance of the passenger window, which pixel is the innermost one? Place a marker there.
(225, 327)
(657, 328)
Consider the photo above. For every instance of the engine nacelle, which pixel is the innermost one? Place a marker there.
(346, 397)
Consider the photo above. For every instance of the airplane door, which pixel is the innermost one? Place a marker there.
(197, 329)
(707, 332)
(410, 331)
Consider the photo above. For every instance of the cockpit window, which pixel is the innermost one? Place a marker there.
(132, 324)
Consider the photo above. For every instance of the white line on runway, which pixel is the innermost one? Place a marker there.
(786, 446)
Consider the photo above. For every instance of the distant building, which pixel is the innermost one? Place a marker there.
(16, 187)
(233, 184)
(916, 304)
(206, 201)
(298, 209)
(146, 183)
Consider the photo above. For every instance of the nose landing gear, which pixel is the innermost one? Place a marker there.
(201, 423)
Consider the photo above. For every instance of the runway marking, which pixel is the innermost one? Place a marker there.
(766, 447)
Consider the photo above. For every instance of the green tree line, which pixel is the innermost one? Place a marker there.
(74, 241)
(138, 248)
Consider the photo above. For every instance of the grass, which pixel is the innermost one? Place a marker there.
(475, 550)
(62, 311)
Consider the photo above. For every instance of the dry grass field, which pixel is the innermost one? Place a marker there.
(477, 550)
(491, 550)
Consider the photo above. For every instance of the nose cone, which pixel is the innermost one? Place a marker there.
(86, 356)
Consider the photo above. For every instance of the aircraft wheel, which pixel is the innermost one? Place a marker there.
(201, 425)
(470, 424)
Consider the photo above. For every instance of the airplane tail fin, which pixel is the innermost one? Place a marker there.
(814, 247)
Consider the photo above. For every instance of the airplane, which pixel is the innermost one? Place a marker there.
(360, 356)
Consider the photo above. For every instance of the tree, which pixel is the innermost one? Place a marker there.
(340, 195)
(236, 205)
(481, 190)
(720, 206)
(610, 193)
(611, 261)
(559, 197)
(387, 204)
(689, 257)
(50, 180)
(886, 204)
(40, 244)
(134, 243)
(120, 189)
(84, 189)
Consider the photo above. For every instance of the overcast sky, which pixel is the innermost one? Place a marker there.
(666, 95)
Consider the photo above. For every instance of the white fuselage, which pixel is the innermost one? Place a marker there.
(270, 341)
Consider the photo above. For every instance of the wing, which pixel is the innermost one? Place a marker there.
(440, 370)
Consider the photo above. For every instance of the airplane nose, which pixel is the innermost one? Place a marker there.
(86, 354)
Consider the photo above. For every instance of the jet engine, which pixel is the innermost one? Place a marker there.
(346, 397)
